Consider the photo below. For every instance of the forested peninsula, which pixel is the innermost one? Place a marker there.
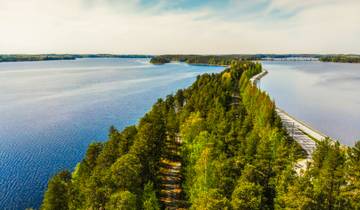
(226, 59)
(217, 144)
(220, 60)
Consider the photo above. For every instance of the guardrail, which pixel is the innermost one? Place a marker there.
(319, 135)
(257, 77)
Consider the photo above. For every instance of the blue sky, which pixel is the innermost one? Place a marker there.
(185, 4)
(179, 26)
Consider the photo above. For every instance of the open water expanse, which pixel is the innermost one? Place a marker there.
(51, 110)
(324, 95)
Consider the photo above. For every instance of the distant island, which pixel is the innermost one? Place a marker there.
(47, 57)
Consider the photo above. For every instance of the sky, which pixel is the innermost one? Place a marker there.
(179, 26)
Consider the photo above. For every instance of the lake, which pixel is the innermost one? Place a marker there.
(50, 111)
(324, 95)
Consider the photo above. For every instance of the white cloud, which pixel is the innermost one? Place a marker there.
(100, 26)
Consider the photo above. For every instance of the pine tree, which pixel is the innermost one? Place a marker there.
(57, 194)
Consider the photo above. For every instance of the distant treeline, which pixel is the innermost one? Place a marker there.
(341, 58)
(200, 59)
(226, 59)
(46, 57)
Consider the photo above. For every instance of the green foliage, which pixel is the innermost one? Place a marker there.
(159, 60)
(57, 194)
(123, 200)
(325, 184)
(247, 195)
(150, 201)
(125, 172)
(210, 200)
(127, 139)
(351, 192)
(92, 154)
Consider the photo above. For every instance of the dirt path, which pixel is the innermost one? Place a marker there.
(171, 193)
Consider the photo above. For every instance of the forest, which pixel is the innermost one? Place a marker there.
(201, 59)
(217, 144)
(341, 58)
(226, 59)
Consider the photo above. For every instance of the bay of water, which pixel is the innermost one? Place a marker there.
(50, 111)
(324, 95)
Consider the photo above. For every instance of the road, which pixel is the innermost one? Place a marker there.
(299, 131)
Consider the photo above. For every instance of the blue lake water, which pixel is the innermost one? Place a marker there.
(50, 111)
(324, 95)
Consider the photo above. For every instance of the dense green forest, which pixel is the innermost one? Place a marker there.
(46, 57)
(223, 143)
(201, 59)
(341, 58)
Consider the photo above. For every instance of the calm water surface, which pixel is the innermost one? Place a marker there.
(324, 95)
(50, 111)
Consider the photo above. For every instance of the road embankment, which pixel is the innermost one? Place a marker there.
(258, 77)
(302, 133)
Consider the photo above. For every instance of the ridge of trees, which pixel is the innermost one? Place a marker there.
(47, 57)
(341, 58)
(227, 59)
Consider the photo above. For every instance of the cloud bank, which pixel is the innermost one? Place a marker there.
(182, 26)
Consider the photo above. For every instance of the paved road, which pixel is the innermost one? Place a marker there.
(300, 133)
(298, 130)
(257, 77)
